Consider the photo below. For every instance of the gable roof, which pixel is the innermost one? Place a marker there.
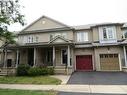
(61, 25)
(59, 37)
(88, 26)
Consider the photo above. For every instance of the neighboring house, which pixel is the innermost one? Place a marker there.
(95, 47)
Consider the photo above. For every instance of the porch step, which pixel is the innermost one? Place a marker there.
(3, 74)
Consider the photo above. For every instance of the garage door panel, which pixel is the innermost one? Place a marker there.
(84, 62)
(109, 62)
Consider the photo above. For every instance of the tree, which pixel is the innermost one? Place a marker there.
(9, 14)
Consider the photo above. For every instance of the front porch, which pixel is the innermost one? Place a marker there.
(59, 57)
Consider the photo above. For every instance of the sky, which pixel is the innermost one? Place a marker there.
(73, 12)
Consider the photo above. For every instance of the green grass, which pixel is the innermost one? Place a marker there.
(29, 80)
(25, 92)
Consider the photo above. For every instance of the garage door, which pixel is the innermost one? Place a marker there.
(109, 62)
(84, 63)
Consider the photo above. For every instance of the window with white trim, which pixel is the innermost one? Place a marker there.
(107, 34)
(82, 36)
(32, 39)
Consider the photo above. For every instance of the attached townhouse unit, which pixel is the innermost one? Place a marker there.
(94, 47)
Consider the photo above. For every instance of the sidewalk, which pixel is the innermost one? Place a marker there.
(119, 89)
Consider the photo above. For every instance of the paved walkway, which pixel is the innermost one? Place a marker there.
(63, 78)
(119, 89)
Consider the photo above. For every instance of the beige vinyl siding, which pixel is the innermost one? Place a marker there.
(39, 25)
(95, 34)
(43, 37)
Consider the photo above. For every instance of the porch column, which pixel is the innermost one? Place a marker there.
(125, 56)
(17, 58)
(53, 55)
(34, 57)
(68, 56)
(5, 58)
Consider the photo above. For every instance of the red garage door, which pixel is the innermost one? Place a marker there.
(84, 62)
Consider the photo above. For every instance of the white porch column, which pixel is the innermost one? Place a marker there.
(34, 56)
(17, 58)
(68, 56)
(5, 58)
(53, 55)
(125, 56)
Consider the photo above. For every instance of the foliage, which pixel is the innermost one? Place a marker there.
(51, 71)
(36, 71)
(28, 80)
(25, 92)
(22, 69)
(9, 14)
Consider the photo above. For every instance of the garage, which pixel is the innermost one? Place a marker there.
(109, 62)
(84, 63)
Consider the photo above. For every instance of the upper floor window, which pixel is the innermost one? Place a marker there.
(82, 36)
(125, 34)
(58, 34)
(32, 39)
(107, 34)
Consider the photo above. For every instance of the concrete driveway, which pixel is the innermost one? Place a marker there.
(98, 78)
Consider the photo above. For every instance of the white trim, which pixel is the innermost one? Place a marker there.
(53, 55)
(68, 56)
(34, 57)
(125, 55)
(17, 58)
(120, 66)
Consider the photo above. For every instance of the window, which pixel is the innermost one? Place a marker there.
(82, 36)
(32, 39)
(108, 33)
(125, 34)
(104, 33)
(64, 56)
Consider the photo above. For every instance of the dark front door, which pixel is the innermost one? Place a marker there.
(9, 62)
(84, 63)
(31, 56)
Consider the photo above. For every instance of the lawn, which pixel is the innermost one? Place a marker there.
(25, 92)
(29, 80)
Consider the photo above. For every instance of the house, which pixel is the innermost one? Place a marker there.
(93, 47)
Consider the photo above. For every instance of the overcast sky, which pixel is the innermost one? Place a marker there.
(74, 12)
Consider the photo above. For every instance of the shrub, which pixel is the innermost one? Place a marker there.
(35, 71)
(51, 71)
(22, 69)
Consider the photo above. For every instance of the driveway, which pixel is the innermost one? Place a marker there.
(98, 78)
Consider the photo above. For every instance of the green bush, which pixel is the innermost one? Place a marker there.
(36, 71)
(22, 69)
(51, 71)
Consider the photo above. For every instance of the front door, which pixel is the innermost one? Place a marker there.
(31, 56)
